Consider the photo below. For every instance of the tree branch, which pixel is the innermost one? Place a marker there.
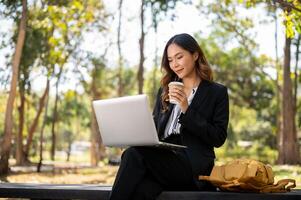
(285, 4)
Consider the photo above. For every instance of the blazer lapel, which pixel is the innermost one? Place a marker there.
(201, 94)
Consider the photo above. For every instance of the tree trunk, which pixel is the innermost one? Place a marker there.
(156, 66)
(296, 73)
(141, 45)
(95, 153)
(35, 122)
(288, 152)
(296, 77)
(42, 133)
(278, 84)
(55, 116)
(8, 124)
(69, 147)
(97, 148)
(19, 142)
(120, 59)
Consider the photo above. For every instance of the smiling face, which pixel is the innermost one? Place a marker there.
(181, 61)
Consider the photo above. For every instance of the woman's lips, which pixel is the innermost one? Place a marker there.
(179, 71)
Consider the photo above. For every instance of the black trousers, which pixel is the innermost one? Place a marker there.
(145, 172)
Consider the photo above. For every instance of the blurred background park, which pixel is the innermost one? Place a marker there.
(58, 56)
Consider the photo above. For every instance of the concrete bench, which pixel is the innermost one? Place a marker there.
(100, 192)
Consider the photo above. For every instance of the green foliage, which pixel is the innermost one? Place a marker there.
(152, 84)
(72, 108)
(160, 6)
(11, 7)
(74, 113)
(252, 115)
(292, 22)
(68, 23)
(54, 31)
(35, 49)
(256, 151)
(128, 83)
(241, 72)
(245, 125)
(102, 79)
(291, 13)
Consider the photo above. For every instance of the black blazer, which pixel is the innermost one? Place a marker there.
(203, 126)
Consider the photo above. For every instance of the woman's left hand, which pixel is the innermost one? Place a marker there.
(179, 95)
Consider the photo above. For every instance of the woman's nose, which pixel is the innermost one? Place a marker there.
(175, 64)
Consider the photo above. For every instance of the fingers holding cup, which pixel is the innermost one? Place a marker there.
(176, 92)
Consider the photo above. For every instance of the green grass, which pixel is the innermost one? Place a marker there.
(288, 172)
(80, 159)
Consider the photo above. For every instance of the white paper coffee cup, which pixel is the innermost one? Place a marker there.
(174, 84)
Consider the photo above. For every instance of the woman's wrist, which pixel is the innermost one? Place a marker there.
(184, 109)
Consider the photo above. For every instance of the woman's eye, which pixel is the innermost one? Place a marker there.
(180, 57)
(169, 60)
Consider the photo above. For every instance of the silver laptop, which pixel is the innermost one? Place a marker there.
(127, 121)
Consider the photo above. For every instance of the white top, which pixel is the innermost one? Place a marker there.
(172, 126)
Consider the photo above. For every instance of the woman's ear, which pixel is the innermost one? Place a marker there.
(195, 56)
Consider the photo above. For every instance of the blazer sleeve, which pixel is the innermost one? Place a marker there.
(157, 107)
(212, 133)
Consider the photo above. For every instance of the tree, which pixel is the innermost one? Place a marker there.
(120, 58)
(35, 55)
(56, 30)
(55, 113)
(287, 138)
(98, 91)
(35, 121)
(73, 116)
(291, 16)
(288, 143)
(141, 49)
(42, 133)
(157, 6)
(289, 150)
(69, 21)
(238, 67)
(6, 144)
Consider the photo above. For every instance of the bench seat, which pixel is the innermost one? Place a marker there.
(101, 192)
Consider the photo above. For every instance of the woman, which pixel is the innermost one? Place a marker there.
(199, 121)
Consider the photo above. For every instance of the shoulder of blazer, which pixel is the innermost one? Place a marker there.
(217, 87)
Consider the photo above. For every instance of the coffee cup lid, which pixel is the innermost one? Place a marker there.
(176, 83)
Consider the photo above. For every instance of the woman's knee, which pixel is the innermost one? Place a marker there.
(131, 153)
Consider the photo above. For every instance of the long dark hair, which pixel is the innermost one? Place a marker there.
(188, 43)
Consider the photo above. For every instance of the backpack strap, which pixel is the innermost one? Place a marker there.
(281, 186)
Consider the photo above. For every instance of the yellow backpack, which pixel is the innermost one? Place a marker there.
(247, 175)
